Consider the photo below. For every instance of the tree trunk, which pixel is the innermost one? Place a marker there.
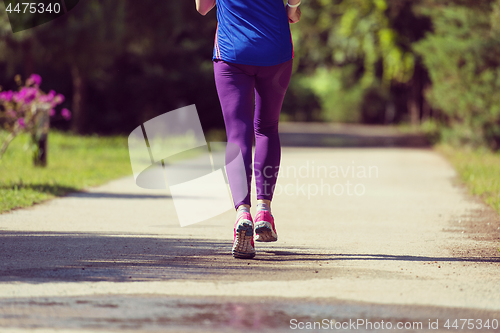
(39, 138)
(78, 111)
(426, 108)
(414, 112)
(415, 97)
(40, 154)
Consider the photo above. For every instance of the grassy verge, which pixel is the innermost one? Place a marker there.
(479, 170)
(74, 162)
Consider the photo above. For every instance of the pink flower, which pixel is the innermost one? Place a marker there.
(66, 114)
(26, 95)
(19, 96)
(6, 96)
(31, 94)
(21, 122)
(52, 112)
(58, 99)
(43, 99)
(34, 79)
(48, 98)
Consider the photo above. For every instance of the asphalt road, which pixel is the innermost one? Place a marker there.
(402, 244)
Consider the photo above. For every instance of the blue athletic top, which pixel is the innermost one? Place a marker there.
(252, 32)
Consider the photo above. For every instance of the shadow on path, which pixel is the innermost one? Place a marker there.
(286, 256)
(101, 195)
(72, 257)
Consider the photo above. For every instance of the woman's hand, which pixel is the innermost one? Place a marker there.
(293, 14)
(204, 6)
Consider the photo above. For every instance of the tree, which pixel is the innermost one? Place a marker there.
(462, 56)
(347, 48)
(85, 41)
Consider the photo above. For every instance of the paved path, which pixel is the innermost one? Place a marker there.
(403, 244)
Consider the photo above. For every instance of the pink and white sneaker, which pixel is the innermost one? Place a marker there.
(265, 230)
(243, 245)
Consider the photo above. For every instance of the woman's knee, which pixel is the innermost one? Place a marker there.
(266, 128)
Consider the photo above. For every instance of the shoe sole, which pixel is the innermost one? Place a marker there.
(243, 241)
(264, 233)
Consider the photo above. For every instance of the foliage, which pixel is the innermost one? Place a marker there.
(120, 62)
(338, 100)
(462, 56)
(346, 48)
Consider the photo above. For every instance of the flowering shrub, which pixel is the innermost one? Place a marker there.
(28, 110)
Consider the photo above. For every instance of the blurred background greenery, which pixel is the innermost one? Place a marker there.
(430, 63)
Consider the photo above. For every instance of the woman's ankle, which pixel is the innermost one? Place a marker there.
(265, 201)
(263, 204)
(243, 206)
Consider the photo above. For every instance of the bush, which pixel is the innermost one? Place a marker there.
(339, 102)
(462, 57)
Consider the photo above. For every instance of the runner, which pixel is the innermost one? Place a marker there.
(252, 59)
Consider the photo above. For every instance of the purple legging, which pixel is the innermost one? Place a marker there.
(240, 88)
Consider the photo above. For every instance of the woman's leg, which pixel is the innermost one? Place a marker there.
(235, 87)
(270, 87)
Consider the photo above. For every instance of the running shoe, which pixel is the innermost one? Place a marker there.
(265, 230)
(243, 245)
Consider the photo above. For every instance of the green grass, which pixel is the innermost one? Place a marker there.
(478, 169)
(73, 163)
